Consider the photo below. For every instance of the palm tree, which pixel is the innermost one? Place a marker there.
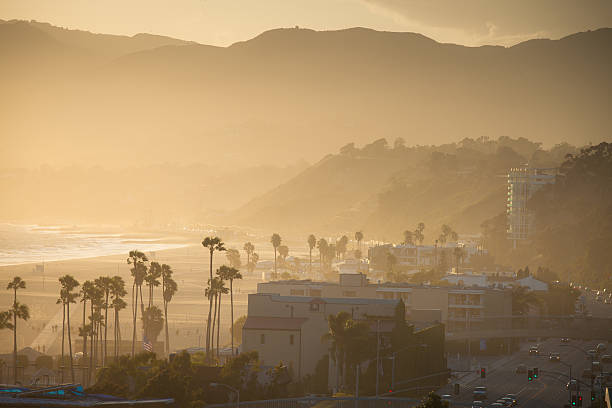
(391, 262)
(104, 284)
(418, 233)
(213, 244)
(233, 257)
(229, 274)
(68, 284)
(169, 288)
(459, 255)
(86, 292)
(117, 291)
(337, 336)
(312, 242)
(95, 318)
(249, 248)
(18, 311)
(276, 241)
(283, 253)
(408, 237)
(358, 238)
(447, 233)
(222, 289)
(139, 270)
(323, 247)
(254, 260)
(152, 279)
(213, 292)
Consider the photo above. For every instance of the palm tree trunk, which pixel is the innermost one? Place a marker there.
(105, 328)
(91, 345)
(212, 337)
(218, 325)
(63, 334)
(69, 341)
(275, 263)
(232, 312)
(208, 331)
(84, 331)
(134, 312)
(310, 260)
(166, 324)
(15, 337)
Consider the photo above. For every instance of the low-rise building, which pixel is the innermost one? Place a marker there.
(290, 328)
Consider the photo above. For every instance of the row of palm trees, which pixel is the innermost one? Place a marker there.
(327, 251)
(216, 288)
(9, 318)
(153, 318)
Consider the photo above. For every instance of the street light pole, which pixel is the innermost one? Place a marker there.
(377, 353)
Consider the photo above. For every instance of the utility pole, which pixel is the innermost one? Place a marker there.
(377, 353)
(357, 386)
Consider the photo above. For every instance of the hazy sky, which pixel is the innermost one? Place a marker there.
(222, 22)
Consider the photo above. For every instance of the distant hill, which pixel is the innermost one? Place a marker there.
(384, 190)
(72, 96)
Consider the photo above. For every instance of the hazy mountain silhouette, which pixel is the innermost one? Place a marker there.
(71, 96)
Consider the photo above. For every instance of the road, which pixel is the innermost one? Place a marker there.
(546, 391)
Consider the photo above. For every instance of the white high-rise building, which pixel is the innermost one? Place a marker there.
(523, 182)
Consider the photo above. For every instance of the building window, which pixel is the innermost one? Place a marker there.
(296, 292)
(388, 295)
(314, 307)
(349, 293)
(315, 292)
(291, 339)
(262, 339)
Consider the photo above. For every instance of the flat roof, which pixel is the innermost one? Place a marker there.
(313, 299)
(273, 323)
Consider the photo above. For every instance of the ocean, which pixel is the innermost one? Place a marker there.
(21, 244)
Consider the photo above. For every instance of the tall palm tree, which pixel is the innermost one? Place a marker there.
(86, 292)
(312, 242)
(249, 248)
(459, 255)
(117, 291)
(418, 233)
(276, 241)
(408, 237)
(221, 290)
(104, 284)
(229, 274)
(95, 319)
(254, 260)
(337, 336)
(169, 288)
(67, 285)
(152, 279)
(139, 269)
(358, 238)
(213, 244)
(18, 311)
(323, 247)
(212, 291)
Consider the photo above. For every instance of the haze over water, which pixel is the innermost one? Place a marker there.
(34, 243)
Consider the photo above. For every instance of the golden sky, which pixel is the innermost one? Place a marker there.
(223, 22)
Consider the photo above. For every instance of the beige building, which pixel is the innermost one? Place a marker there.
(459, 307)
(290, 328)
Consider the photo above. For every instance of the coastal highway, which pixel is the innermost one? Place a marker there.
(546, 391)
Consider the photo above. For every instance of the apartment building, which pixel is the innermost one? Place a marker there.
(459, 307)
(290, 328)
(523, 182)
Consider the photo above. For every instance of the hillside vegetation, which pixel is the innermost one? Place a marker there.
(385, 190)
(574, 222)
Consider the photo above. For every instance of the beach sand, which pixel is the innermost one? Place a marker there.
(186, 313)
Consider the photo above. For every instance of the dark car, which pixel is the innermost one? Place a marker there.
(554, 357)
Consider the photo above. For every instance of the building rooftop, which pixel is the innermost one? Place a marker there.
(275, 297)
(273, 323)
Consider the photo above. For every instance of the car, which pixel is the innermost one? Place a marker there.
(533, 350)
(572, 385)
(496, 404)
(513, 397)
(479, 394)
(521, 369)
(477, 404)
(554, 356)
(447, 398)
(601, 347)
(596, 367)
(503, 402)
(565, 340)
(606, 358)
(510, 402)
(591, 354)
